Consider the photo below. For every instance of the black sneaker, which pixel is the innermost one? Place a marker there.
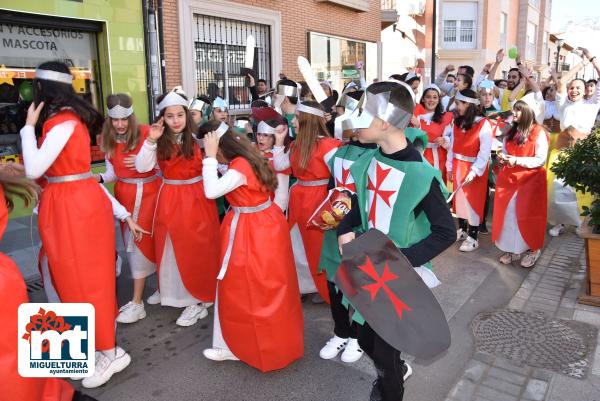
(483, 229)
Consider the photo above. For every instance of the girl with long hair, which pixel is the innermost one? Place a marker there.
(469, 149)
(122, 139)
(308, 157)
(433, 120)
(71, 205)
(519, 219)
(266, 333)
(185, 221)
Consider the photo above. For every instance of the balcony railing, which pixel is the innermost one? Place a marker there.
(389, 13)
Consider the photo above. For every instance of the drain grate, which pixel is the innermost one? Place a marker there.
(536, 340)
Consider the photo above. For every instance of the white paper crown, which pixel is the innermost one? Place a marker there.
(463, 98)
(197, 104)
(172, 99)
(434, 87)
(220, 103)
(264, 128)
(120, 112)
(50, 75)
(310, 110)
(538, 110)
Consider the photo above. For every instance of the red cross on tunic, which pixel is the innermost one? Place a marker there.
(344, 182)
(380, 176)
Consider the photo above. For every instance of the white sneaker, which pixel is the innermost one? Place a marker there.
(105, 368)
(219, 354)
(207, 304)
(508, 258)
(154, 299)
(131, 312)
(461, 235)
(333, 347)
(556, 230)
(530, 258)
(408, 372)
(469, 245)
(352, 352)
(191, 314)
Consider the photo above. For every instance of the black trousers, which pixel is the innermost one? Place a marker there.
(389, 365)
(341, 317)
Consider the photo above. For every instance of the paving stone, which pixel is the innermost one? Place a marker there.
(544, 300)
(463, 390)
(551, 288)
(495, 395)
(511, 366)
(565, 313)
(568, 303)
(516, 303)
(505, 375)
(502, 386)
(475, 370)
(543, 307)
(523, 293)
(483, 357)
(587, 317)
(542, 374)
(536, 389)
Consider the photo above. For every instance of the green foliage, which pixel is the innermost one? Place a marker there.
(579, 167)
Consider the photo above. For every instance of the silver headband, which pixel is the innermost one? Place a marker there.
(264, 128)
(348, 102)
(220, 103)
(197, 104)
(310, 110)
(289, 91)
(466, 99)
(50, 75)
(120, 112)
(222, 129)
(172, 99)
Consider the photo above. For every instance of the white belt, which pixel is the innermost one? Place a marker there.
(237, 210)
(69, 178)
(139, 191)
(434, 151)
(432, 145)
(182, 182)
(316, 183)
(464, 158)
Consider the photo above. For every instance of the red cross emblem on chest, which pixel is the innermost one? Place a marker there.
(346, 177)
(375, 188)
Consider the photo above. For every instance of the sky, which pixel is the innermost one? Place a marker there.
(564, 11)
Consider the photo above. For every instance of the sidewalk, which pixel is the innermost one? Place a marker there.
(543, 345)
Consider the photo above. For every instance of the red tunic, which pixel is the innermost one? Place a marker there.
(77, 229)
(259, 300)
(14, 293)
(304, 200)
(436, 130)
(530, 185)
(125, 193)
(467, 144)
(192, 223)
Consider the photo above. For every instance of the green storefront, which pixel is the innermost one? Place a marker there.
(102, 41)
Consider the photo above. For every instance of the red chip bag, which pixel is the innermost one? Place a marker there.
(331, 211)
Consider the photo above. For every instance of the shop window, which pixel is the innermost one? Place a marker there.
(219, 53)
(334, 59)
(23, 46)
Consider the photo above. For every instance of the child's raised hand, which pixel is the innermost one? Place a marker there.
(211, 144)
(157, 129)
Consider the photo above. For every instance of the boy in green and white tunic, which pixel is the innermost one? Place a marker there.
(399, 193)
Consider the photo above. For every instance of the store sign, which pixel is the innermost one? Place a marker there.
(23, 41)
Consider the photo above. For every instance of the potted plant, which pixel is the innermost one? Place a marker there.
(579, 167)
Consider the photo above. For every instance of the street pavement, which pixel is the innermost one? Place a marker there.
(167, 361)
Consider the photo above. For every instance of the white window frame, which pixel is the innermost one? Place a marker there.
(458, 43)
(503, 30)
(224, 9)
(531, 42)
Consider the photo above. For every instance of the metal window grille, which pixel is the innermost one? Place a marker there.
(467, 31)
(220, 49)
(449, 31)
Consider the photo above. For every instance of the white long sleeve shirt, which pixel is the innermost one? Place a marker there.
(214, 186)
(539, 158)
(581, 115)
(145, 160)
(38, 161)
(485, 148)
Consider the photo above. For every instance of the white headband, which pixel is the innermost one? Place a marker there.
(310, 110)
(222, 129)
(289, 91)
(172, 99)
(264, 128)
(197, 104)
(50, 75)
(434, 87)
(466, 99)
(220, 103)
(120, 112)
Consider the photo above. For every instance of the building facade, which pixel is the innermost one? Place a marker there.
(472, 31)
(204, 42)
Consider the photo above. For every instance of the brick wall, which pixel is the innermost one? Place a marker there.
(297, 18)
